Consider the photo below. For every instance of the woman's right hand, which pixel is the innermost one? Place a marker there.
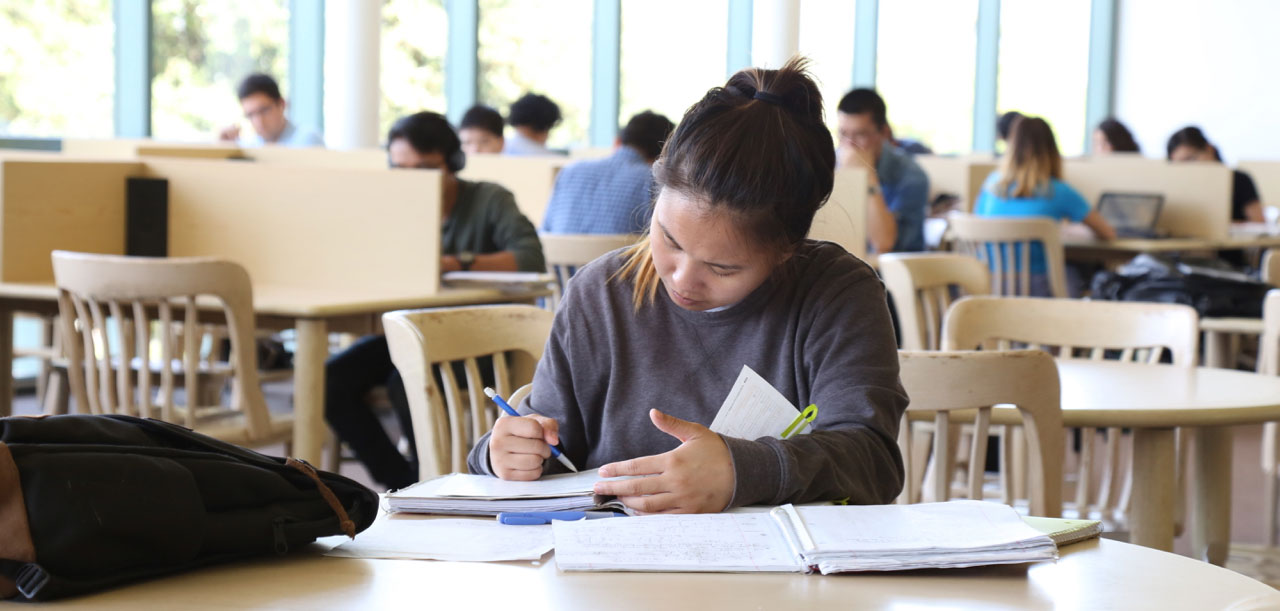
(518, 446)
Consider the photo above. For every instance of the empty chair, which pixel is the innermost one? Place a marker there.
(428, 346)
(1007, 246)
(565, 253)
(923, 286)
(1126, 331)
(943, 383)
(110, 306)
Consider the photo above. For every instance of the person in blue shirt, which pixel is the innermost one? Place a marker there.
(264, 107)
(1029, 184)
(610, 195)
(898, 194)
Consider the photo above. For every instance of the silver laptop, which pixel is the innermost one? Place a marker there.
(1133, 215)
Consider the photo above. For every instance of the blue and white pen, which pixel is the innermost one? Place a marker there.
(534, 518)
(511, 411)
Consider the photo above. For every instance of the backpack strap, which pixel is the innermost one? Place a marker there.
(344, 520)
(15, 532)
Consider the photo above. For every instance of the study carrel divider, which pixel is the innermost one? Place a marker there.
(530, 179)
(1197, 196)
(961, 176)
(327, 228)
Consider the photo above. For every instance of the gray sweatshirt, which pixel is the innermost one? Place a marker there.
(818, 330)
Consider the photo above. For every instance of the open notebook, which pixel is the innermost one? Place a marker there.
(482, 495)
(829, 539)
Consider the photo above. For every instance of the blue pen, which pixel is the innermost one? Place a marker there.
(511, 411)
(534, 518)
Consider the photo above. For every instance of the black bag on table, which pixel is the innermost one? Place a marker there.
(1212, 289)
(89, 502)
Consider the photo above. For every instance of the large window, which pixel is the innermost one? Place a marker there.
(925, 70)
(826, 38)
(57, 68)
(200, 52)
(415, 34)
(668, 64)
(542, 48)
(1044, 65)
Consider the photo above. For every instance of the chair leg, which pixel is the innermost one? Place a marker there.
(1269, 443)
(1183, 439)
(1084, 473)
(1110, 473)
(57, 393)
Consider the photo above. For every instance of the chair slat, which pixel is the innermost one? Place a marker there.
(167, 412)
(476, 399)
(191, 360)
(978, 453)
(143, 324)
(941, 453)
(458, 440)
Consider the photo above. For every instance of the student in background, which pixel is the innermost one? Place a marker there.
(1004, 124)
(1190, 144)
(610, 195)
(481, 130)
(1029, 183)
(898, 194)
(532, 117)
(483, 230)
(1113, 137)
(647, 342)
(264, 107)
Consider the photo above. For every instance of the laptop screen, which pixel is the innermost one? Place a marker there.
(1131, 210)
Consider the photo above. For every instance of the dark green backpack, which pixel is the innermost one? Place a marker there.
(89, 502)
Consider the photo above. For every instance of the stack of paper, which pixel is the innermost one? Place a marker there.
(465, 494)
(469, 540)
(932, 535)
(830, 539)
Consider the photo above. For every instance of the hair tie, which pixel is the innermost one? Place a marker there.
(769, 97)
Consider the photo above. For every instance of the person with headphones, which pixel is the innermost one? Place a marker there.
(483, 230)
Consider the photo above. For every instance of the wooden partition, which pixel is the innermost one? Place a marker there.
(103, 148)
(960, 176)
(124, 148)
(529, 178)
(1197, 196)
(843, 219)
(51, 204)
(306, 226)
(1266, 176)
(365, 159)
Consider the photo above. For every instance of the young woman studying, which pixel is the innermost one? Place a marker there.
(1029, 183)
(649, 339)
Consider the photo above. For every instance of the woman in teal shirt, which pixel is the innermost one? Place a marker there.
(1029, 184)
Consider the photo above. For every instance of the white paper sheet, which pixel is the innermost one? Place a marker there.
(755, 409)
(418, 538)
(704, 542)
(487, 487)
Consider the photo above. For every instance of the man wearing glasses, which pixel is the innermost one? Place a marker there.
(264, 107)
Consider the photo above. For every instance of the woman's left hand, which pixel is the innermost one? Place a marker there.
(696, 477)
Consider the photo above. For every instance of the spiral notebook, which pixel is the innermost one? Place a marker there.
(826, 539)
(466, 494)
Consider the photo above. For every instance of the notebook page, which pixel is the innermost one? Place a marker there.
(488, 487)
(954, 525)
(755, 409)
(410, 537)
(725, 542)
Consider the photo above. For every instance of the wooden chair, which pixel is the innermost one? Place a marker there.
(567, 252)
(109, 308)
(943, 383)
(426, 346)
(1004, 244)
(1269, 364)
(922, 287)
(1126, 331)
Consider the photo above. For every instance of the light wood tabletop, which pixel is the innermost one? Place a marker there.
(1152, 400)
(1097, 574)
(312, 312)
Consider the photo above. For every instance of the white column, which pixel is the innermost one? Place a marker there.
(353, 30)
(775, 32)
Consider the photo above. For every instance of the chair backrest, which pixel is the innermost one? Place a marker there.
(1271, 267)
(922, 286)
(944, 383)
(449, 415)
(1123, 330)
(1004, 244)
(567, 252)
(110, 306)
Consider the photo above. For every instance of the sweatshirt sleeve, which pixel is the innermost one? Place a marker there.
(553, 393)
(851, 362)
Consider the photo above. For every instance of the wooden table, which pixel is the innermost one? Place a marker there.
(1098, 574)
(314, 313)
(1153, 400)
(1090, 249)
